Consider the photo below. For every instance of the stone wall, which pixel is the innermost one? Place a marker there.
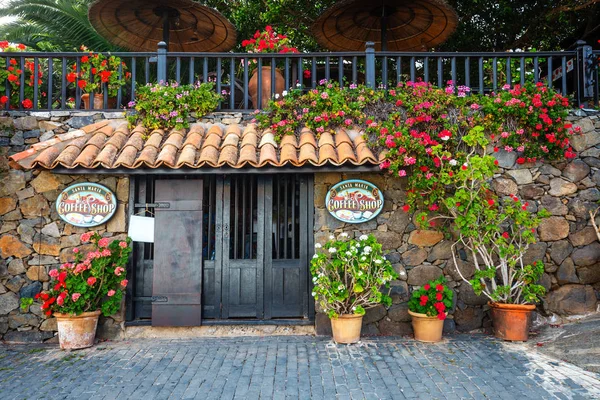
(33, 239)
(567, 242)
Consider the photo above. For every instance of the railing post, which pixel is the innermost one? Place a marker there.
(584, 73)
(161, 62)
(370, 64)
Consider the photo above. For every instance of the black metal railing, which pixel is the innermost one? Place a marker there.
(572, 72)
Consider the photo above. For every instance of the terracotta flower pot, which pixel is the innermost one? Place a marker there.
(346, 328)
(77, 331)
(266, 86)
(511, 321)
(98, 102)
(426, 328)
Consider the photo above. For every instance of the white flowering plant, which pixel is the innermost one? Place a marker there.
(351, 275)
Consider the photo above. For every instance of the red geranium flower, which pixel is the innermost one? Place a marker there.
(491, 202)
(85, 59)
(427, 286)
(82, 84)
(27, 104)
(439, 287)
(12, 77)
(439, 296)
(405, 208)
(505, 235)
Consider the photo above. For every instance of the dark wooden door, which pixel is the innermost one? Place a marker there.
(237, 245)
(243, 247)
(286, 262)
(177, 281)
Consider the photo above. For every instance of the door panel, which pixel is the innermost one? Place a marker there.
(286, 284)
(243, 247)
(177, 283)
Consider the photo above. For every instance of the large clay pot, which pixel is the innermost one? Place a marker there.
(98, 102)
(426, 328)
(346, 328)
(266, 86)
(77, 331)
(511, 321)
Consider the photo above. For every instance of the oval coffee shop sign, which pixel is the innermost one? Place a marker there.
(354, 201)
(86, 204)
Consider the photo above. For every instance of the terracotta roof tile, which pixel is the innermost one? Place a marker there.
(155, 138)
(147, 157)
(127, 157)
(209, 155)
(325, 139)
(87, 157)
(175, 139)
(267, 138)
(107, 156)
(136, 140)
(187, 157)
(342, 137)
(288, 154)
(268, 155)
(213, 140)
(215, 129)
(250, 138)
(345, 153)
(248, 155)
(289, 139)
(229, 156)
(231, 139)
(327, 153)
(111, 144)
(308, 153)
(307, 137)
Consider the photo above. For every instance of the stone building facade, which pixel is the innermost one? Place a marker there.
(33, 239)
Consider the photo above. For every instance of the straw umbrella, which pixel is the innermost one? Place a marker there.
(185, 26)
(394, 25)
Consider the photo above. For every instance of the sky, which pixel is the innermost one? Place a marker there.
(4, 20)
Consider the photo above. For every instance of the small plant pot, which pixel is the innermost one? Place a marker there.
(346, 328)
(511, 321)
(98, 102)
(426, 328)
(77, 331)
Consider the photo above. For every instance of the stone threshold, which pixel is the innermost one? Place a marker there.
(155, 332)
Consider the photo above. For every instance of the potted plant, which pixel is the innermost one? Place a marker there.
(80, 291)
(427, 307)
(168, 106)
(348, 277)
(267, 41)
(496, 233)
(99, 73)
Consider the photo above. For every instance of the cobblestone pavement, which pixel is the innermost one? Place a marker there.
(462, 367)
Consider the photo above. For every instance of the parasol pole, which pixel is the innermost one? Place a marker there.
(166, 27)
(383, 26)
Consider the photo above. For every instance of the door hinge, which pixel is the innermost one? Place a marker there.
(159, 299)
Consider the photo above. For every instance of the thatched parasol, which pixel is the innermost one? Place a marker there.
(394, 25)
(184, 25)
